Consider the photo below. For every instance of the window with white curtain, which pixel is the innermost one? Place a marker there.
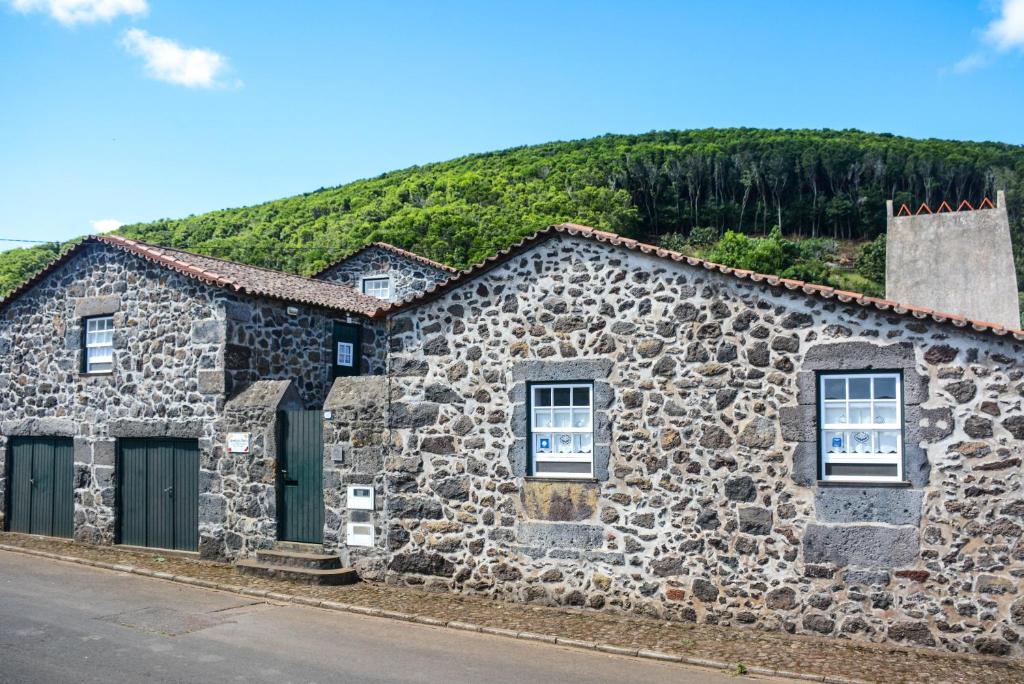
(562, 430)
(860, 418)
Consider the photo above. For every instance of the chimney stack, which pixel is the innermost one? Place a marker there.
(953, 261)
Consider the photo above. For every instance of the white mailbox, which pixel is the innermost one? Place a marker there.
(360, 534)
(360, 497)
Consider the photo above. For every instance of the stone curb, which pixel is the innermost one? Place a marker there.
(451, 624)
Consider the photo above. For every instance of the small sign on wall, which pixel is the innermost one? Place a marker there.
(238, 442)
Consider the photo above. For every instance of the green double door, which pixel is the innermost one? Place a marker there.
(41, 491)
(159, 493)
(300, 477)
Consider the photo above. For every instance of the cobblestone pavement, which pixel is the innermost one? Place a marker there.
(749, 647)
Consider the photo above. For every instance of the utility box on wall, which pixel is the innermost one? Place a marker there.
(360, 497)
(359, 531)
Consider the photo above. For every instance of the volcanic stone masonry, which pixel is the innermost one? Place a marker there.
(181, 349)
(706, 505)
(408, 275)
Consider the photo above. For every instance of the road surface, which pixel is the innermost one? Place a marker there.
(61, 622)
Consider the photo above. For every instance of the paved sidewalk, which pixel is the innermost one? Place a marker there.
(788, 655)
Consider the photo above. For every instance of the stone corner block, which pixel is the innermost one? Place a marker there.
(805, 464)
(129, 427)
(799, 423)
(560, 535)
(41, 427)
(890, 505)
(536, 370)
(869, 546)
(857, 355)
(211, 381)
(97, 306)
(208, 331)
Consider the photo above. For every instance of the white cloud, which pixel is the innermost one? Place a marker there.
(1004, 33)
(70, 12)
(105, 225)
(168, 61)
(1007, 31)
(970, 63)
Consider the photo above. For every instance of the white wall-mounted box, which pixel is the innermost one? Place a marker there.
(359, 534)
(360, 497)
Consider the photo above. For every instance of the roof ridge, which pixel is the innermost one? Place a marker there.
(281, 286)
(235, 263)
(810, 289)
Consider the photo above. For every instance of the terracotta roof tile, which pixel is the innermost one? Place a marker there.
(252, 280)
(766, 280)
(391, 248)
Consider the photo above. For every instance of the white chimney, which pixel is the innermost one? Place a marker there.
(956, 260)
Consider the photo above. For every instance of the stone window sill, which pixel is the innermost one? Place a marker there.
(862, 485)
(535, 478)
(96, 374)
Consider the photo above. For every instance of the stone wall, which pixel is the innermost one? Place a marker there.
(190, 360)
(242, 503)
(266, 342)
(408, 276)
(355, 441)
(163, 346)
(709, 507)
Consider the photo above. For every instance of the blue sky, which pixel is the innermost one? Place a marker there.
(133, 110)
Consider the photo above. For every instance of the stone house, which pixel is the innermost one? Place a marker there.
(121, 343)
(580, 420)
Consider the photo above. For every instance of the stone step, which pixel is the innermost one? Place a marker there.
(298, 547)
(298, 559)
(333, 576)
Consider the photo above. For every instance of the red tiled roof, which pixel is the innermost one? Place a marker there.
(768, 281)
(252, 280)
(391, 248)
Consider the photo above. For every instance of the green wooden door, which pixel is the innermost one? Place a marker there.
(41, 487)
(300, 477)
(347, 356)
(159, 493)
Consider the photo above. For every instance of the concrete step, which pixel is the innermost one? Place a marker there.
(298, 547)
(332, 576)
(298, 559)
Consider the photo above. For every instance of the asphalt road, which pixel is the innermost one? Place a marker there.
(61, 622)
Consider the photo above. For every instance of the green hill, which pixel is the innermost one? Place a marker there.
(684, 188)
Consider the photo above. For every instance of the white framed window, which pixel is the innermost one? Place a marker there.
(99, 344)
(377, 287)
(861, 423)
(345, 354)
(562, 430)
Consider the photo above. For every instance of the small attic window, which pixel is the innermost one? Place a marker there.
(377, 287)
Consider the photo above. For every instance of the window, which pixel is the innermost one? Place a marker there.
(99, 344)
(345, 354)
(861, 427)
(562, 430)
(377, 287)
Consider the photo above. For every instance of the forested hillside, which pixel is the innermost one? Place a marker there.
(685, 188)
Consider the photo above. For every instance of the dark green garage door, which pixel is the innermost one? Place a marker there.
(159, 493)
(41, 492)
